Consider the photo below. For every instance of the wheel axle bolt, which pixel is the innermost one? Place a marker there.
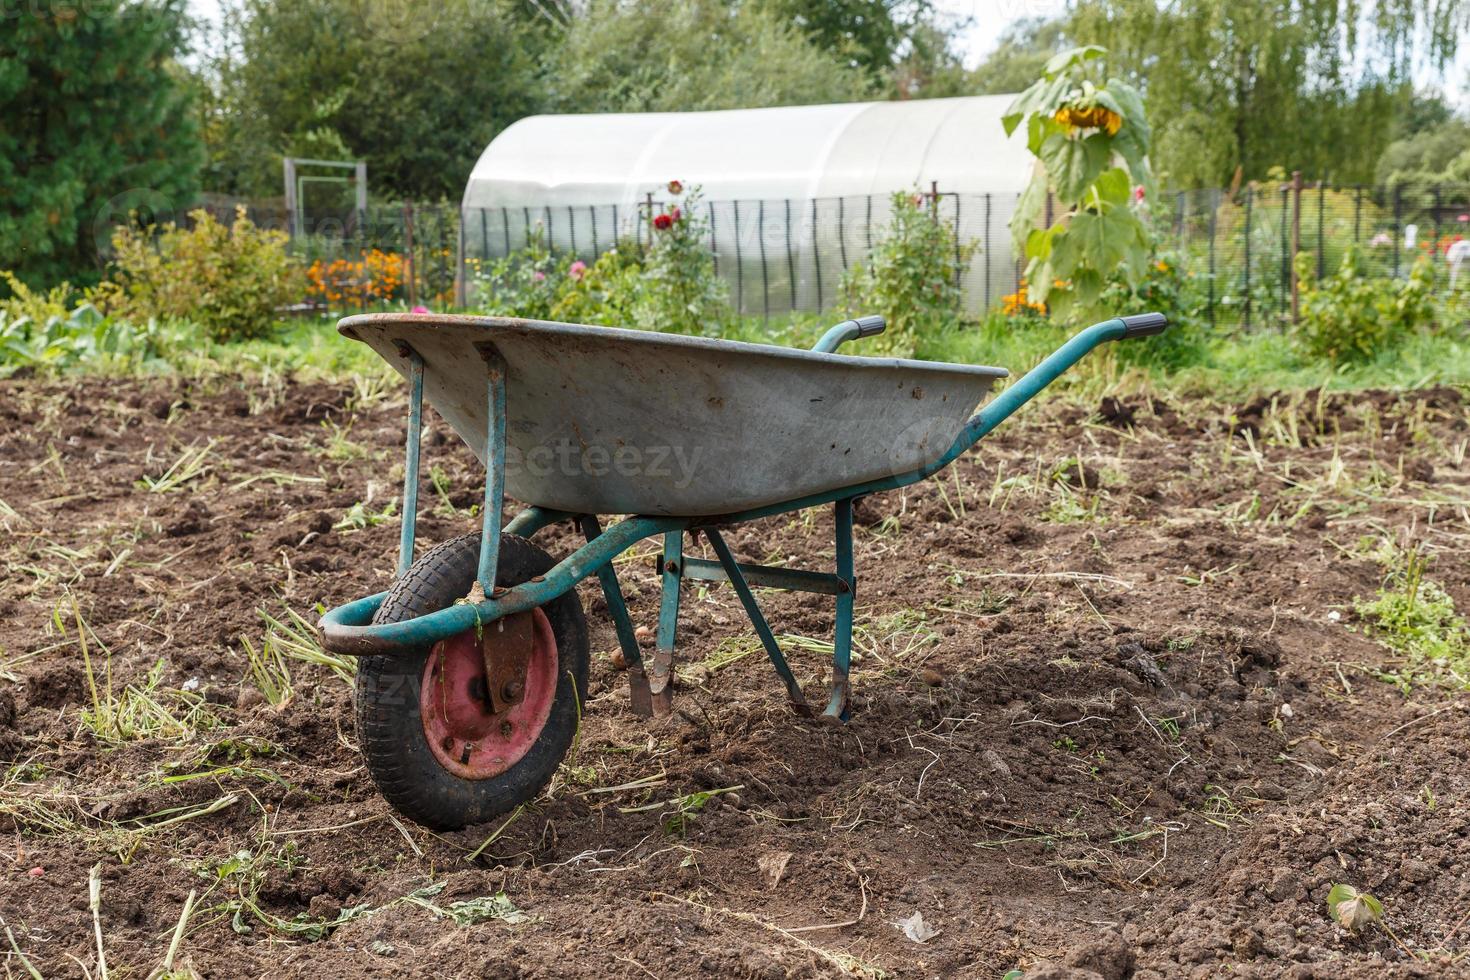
(512, 690)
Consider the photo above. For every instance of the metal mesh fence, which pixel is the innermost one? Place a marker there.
(785, 255)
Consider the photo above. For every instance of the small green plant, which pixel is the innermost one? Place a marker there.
(360, 518)
(230, 279)
(1167, 286)
(605, 292)
(1352, 316)
(1353, 909)
(1414, 616)
(40, 335)
(911, 278)
(526, 282)
(469, 911)
(678, 291)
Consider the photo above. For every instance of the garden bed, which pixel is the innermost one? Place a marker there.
(1115, 710)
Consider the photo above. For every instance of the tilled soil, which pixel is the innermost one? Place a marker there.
(1114, 713)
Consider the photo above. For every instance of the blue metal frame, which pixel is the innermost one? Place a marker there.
(346, 629)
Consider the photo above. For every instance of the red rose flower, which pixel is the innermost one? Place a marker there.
(675, 187)
(663, 222)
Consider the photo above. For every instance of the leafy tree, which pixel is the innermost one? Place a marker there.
(1436, 155)
(668, 55)
(415, 89)
(1307, 84)
(96, 123)
(1024, 49)
(929, 67)
(867, 33)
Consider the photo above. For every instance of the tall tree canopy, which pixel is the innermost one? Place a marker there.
(1308, 84)
(415, 89)
(659, 55)
(94, 122)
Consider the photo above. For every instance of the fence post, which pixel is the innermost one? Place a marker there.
(1322, 206)
(739, 265)
(790, 256)
(1398, 225)
(816, 256)
(1250, 193)
(459, 284)
(987, 250)
(760, 234)
(1358, 215)
(413, 294)
(1296, 241)
(1284, 283)
(842, 231)
(714, 246)
(1214, 213)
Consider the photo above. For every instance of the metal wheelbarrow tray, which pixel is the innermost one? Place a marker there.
(476, 659)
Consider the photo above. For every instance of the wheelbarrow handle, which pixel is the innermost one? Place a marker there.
(1144, 324)
(1030, 384)
(863, 326)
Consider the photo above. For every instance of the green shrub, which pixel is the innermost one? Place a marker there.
(677, 290)
(524, 283)
(83, 338)
(603, 293)
(1171, 288)
(231, 280)
(911, 277)
(670, 285)
(1350, 316)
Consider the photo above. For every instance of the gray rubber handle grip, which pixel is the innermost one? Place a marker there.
(1144, 325)
(869, 326)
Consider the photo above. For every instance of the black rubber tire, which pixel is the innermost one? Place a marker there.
(389, 728)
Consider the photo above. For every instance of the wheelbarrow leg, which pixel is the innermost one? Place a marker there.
(639, 695)
(773, 650)
(661, 681)
(842, 633)
(494, 469)
(411, 455)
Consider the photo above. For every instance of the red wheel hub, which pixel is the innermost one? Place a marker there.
(477, 733)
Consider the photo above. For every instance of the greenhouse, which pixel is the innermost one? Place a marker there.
(793, 196)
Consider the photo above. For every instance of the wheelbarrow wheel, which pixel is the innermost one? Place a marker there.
(431, 736)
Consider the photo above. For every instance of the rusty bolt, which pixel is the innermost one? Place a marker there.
(512, 690)
(670, 566)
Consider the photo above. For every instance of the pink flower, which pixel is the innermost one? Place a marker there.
(577, 269)
(1463, 217)
(1381, 239)
(675, 187)
(676, 214)
(1138, 193)
(419, 309)
(538, 276)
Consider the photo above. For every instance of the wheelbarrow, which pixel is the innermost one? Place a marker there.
(473, 664)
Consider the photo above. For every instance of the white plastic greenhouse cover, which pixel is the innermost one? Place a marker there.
(795, 196)
(797, 152)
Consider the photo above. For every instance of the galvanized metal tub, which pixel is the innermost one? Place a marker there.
(609, 421)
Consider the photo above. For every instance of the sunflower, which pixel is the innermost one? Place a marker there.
(1094, 117)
